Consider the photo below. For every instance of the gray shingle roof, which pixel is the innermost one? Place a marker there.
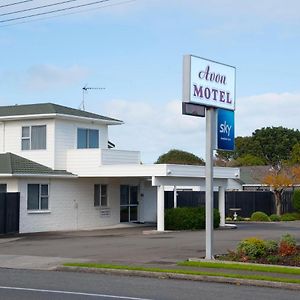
(49, 108)
(15, 165)
(253, 174)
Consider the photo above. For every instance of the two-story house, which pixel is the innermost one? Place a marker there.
(60, 161)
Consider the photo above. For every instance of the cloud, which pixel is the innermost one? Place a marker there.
(45, 77)
(155, 129)
(271, 109)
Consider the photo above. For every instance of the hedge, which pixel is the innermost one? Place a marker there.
(188, 218)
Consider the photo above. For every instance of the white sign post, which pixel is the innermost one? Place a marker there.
(212, 85)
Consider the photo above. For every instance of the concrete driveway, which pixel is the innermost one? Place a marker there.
(135, 245)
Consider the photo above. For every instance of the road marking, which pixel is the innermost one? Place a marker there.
(69, 293)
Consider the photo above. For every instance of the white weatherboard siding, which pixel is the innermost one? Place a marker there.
(119, 157)
(149, 203)
(12, 141)
(89, 161)
(12, 184)
(66, 139)
(2, 125)
(71, 206)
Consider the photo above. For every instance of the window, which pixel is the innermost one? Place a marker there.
(34, 137)
(87, 138)
(3, 187)
(100, 195)
(37, 196)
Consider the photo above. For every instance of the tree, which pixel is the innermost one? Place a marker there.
(249, 160)
(175, 156)
(278, 180)
(295, 155)
(275, 143)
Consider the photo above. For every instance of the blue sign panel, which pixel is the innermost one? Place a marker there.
(225, 130)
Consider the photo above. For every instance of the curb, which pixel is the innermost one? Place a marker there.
(203, 278)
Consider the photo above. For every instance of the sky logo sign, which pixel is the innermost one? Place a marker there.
(225, 130)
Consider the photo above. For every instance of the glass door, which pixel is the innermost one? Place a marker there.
(128, 203)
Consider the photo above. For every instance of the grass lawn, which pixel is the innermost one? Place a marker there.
(184, 272)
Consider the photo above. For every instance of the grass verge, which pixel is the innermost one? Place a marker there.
(246, 267)
(183, 272)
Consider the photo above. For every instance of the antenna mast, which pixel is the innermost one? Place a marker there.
(84, 91)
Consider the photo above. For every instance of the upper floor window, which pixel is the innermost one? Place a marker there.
(34, 137)
(87, 138)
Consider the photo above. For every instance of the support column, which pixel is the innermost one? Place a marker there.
(160, 208)
(222, 205)
(210, 139)
(175, 196)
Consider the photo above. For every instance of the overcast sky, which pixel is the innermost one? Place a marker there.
(134, 49)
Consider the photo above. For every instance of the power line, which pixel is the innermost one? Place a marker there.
(70, 13)
(15, 3)
(37, 7)
(54, 11)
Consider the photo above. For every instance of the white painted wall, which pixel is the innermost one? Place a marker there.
(149, 202)
(11, 141)
(71, 206)
(2, 126)
(66, 139)
(12, 184)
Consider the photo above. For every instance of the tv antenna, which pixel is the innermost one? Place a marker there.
(85, 89)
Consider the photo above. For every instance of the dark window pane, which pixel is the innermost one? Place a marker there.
(33, 194)
(38, 137)
(133, 195)
(44, 202)
(82, 138)
(124, 194)
(133, 213)
(25, 144)
(44, 189)
(3, 188)
(124, 214)
(96, 194)
(93, 138)
(25, 131)
(103, 195)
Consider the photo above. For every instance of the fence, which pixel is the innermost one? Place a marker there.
(247, 201)
(9, 212)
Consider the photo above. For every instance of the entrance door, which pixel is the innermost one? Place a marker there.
(128, 203)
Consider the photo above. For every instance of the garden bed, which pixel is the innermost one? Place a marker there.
(255, 250)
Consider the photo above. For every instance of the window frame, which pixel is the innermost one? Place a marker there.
(29, 137)
(99, 195)
(41, 196)
(87, 133)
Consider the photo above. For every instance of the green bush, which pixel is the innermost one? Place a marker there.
(188, 218)
(252, 247)
(288, 239)
(288, 217)
(271, 246)
(275, 218)
(296, 200)
(260, 217)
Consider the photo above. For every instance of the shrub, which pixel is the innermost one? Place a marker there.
(288, 217)
(287, 245)
(260, 217)
(252, 247)
(188, 218)
(296, 200)
(275, 218)
(271, 246)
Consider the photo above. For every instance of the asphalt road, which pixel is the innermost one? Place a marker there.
(28, 284)
(130, 245)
